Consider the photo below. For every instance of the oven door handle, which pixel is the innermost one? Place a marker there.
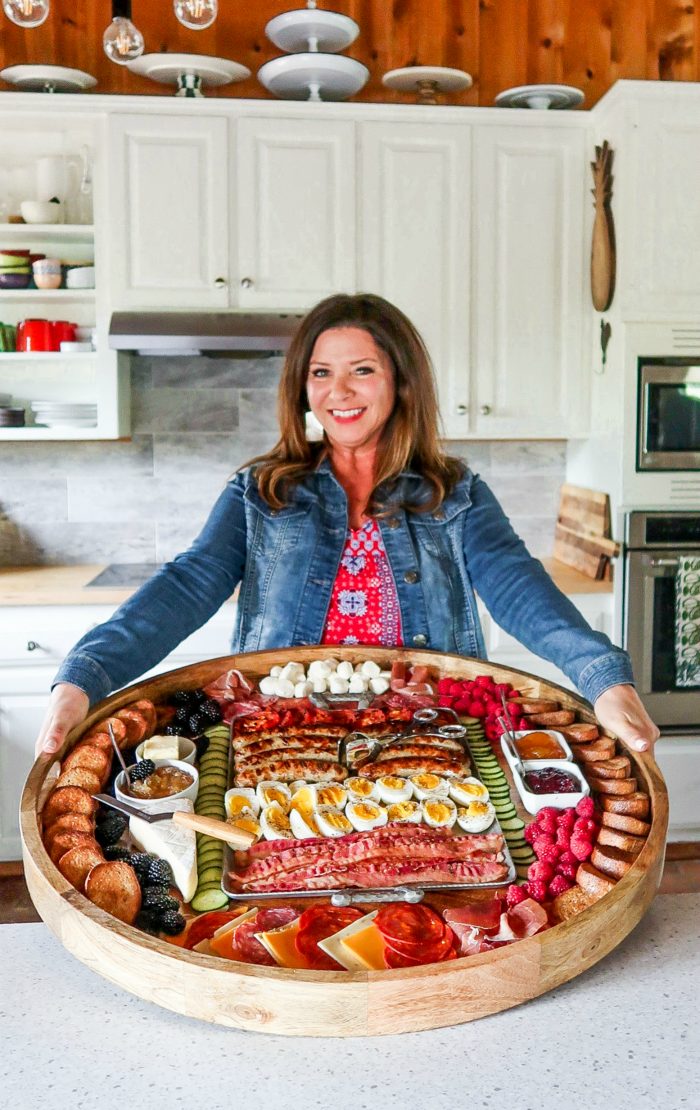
(664, 563)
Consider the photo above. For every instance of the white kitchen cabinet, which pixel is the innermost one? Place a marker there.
(21, 715)
(414, 218)
(295, 181)
(169, 211)
(528, 267)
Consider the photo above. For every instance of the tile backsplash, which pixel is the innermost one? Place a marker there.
(195, 421)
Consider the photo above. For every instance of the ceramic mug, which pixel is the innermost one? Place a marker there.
(48, 273)
(61, 332)
(35, 335)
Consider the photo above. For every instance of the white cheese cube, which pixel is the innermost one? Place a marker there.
(378, 685)
(331, 663)
(318, 668)
(284, 688)
(303, 689)
(275, 672)
(294, 672)
(268, 685)
(319, 685)
(358, 684)
(344, 669)
(337, 685)
(386, 675)
(371, 669)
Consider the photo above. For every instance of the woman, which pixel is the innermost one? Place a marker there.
(372, 536)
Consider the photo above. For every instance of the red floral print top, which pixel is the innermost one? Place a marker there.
(364, 605)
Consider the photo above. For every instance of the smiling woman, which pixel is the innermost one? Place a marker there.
(372, 536)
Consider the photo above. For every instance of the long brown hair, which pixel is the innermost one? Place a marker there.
(410, 435)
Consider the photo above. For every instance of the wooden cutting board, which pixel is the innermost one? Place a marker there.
(582, 534)
(584, 510)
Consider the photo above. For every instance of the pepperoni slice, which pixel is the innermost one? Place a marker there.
(426, 953)
(409, 924)
(274, 918)
(317, 923)
(396, 959)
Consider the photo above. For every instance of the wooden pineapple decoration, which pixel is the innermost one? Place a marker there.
(603, 244)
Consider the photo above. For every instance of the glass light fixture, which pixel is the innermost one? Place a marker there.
(26, 13)
(122, 40)
(196, 14)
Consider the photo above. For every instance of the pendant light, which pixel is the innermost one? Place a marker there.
(196, 14)
(122, 40)
(26, 13)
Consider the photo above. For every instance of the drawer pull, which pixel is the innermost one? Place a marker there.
(32, 645)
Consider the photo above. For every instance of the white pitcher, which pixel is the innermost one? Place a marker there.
(52, 178)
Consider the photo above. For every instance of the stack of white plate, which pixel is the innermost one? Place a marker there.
(57, 414)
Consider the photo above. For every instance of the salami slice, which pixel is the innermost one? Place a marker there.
(424, 952)
(248, 947)
(317, 923)
(407, 924)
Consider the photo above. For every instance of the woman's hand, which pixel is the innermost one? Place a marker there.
(68, 706)
(620, 709)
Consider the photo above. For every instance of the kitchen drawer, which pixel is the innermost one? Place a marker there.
(38, 635)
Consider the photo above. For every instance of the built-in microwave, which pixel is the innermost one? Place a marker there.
(668, 414)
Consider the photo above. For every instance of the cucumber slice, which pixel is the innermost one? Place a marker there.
(511, 824)
(522, 855)
(209, 857)
(211, 899)
(209, 874)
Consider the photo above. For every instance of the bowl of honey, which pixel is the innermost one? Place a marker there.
(542, 743)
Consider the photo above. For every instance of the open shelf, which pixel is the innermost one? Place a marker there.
(44, 356)
(47, 294)
(50, 433)
(83, 233)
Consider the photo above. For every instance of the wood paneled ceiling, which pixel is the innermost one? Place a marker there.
(501, 43)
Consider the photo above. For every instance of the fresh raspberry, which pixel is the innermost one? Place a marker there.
(549, 826)
(515, 694)
(540, 871)
(547, 811)
(567, 859)
(585, 828)
(532, 832)
(563, 839)
(558, 885)
(477, 709)
(586, 807)
(542, 844)
(444, 685)
(568, 870)
(460, 705)
(515, 894)
(548, 853)
(446, 700)
(484, 680)
(581, 848)
(536, 889)
(566, 819)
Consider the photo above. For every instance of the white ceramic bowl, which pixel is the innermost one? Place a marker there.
(73, 347)
(41, 212)
(80, 277)
(146, 803)
(187, 750)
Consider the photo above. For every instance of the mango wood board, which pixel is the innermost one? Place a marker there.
(338, 1004)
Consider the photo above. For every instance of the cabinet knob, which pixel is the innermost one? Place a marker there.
(246, 283)
(220, 282)
(485, 410)
(32, 645)
(462, 410)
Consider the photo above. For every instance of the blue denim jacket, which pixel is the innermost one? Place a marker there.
(286, 562)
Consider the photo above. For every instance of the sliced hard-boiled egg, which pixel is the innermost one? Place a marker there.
(439, 813)
(364, 816)
(428, 785)
(274, 823)
(305, 799)
(239, 799)
(332, 821)
(303, 823)
(405, 813)
(464, 791)
(332, 795)
(394, 789)
(476, 817)
(269, 792)
(246, 821)
(361, 790)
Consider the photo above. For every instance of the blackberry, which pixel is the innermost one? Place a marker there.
(115, 851)
(153, 889)
(148, 922)
(182, 713)
(111, 829)
(211, 711)
(159, 903)
(172, 923)
(182, 697)
(140, 861)
(196, 724)
(173, 730)
(199, 697)
(159, 872)
(141, 770)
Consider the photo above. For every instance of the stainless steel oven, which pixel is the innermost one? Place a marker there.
(668, 414)
(654, 544)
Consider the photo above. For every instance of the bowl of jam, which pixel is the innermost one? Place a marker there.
(153, 780)
(542, 743)
(542, 782)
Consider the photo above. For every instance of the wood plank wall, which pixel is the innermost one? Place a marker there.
(501, 43)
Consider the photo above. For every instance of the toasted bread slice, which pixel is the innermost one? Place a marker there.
(118, 728)
(68, 799)
(554, 719)
(536, 705)
(580, 733)
(596, 751)
(100, 740)
(70, 822)
(136, 727)
(95, 759)
(62, 841)
(612, 786)
(114, 887)
(611, 861)
(148, 711)
(77, 863)
(627, 841)
(80, 776)
(633, 805)
(572, 901)
(619, 767)
(626, 824)
(594, 882)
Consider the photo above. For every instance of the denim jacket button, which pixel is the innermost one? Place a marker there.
(411, 576)
(420, 640)
(393, 522)
(438, 515)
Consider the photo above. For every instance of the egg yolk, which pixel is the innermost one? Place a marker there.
(246, 822)
(330, 796)
(362, 787)
(366, 812)
(278, 820)
(426, 782)
(470, 788)
(238, 804)
(438, 811)
(393, 782)
(337, 820)
(401, 810)
(476, 809)
(271, 795)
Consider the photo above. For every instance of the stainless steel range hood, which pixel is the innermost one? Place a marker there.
(225, 334)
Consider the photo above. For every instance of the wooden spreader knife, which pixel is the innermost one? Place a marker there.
(237, 838)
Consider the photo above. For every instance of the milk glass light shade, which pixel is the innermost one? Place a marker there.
(122, 41)
(26, 13)
(196, 14)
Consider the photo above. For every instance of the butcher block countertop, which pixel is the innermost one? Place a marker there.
(68, 585)
(622, 1036)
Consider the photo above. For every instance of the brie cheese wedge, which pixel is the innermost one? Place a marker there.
(171, 842)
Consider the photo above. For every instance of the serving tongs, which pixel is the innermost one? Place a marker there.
(357, 749)
(221, 830)
(327, 700)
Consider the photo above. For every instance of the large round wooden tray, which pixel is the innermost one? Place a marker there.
(308, 1003)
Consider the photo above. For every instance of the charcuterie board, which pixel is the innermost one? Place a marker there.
(297, 1001)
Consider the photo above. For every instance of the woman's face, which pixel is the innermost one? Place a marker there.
(350, 387)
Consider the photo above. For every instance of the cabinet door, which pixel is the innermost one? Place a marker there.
(296, 211)
(414, 249)
(529, 373)
(20, 719)
(169, 227)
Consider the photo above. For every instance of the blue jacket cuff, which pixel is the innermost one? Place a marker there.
(82, 671)
(612, 669)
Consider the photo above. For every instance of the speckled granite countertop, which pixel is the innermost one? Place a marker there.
(623, 1036)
